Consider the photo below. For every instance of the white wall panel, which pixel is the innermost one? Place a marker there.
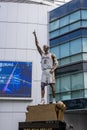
(36, 89)
(42, 34)
(11, 120)
(38, 67)
(3, 12)
(12, 12)
(42, 14)
(3, 28)
(4, 107)
(13, 106)
(5, 121)
(9, 54)
(33, 12)
(2, 54)
(11, 35)
(17, 43)
(20, 55)
(19, 106)
(17, 117)
(21, 35)
(22, 12)
(31, 56)
(30, 36)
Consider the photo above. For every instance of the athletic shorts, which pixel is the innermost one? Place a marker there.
(47, 77)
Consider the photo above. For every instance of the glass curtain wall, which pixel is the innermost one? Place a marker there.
(74, 49)
(65, 24)
(71, 85)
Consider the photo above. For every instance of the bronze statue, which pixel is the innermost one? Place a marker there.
(48, 63)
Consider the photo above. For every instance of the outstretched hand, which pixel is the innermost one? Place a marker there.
(34, 32)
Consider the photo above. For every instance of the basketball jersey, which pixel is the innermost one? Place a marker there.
(46, 61)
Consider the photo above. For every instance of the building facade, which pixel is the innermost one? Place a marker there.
(68, 40)
(17, 23)
(18, 20)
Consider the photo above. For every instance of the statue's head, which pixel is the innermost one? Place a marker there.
(45, 48)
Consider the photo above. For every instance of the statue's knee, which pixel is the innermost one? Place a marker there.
(42, 86)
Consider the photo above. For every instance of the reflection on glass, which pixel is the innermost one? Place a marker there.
(57, 85)
(64, 21)
(65, 61)
(77, 94)
(85, 93)
(76, 58)
(77, 81)
(75, 46)
(84, 43)
(54, 25)
(84, 23)
(58, 97)
(84, 56)
(85, 80)
(55, 50)
(65, 83)
(84, 14)
(74, 16)
(64, 50)
(66, 96)
(75, 26)
(64, 30)
(54, 34)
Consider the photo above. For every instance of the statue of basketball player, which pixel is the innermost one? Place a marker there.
(48, 63)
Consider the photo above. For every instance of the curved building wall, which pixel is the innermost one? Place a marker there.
(17, 22)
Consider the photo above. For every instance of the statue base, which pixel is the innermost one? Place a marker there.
(45, 112)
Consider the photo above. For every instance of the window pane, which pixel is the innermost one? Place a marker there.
(64, 50)
(86, 93)
(84, 56)
(57, 86)
(84, 42)
(84, 23)
(59, 62)
(77, 94)
(75, 26)
(77, 81)
(65, 96)
(55, 50)
(64, 21)
(75, 46)
(65, 61)
(75, 16)
(54, 25)
(76, 58)
(84, 14)
(85, 80)
(58, 97)
(54, 34)
(64, 30)
(65, 83)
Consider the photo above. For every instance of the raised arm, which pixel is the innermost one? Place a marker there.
(37, 44)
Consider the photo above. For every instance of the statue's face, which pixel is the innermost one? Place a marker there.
(45, 48)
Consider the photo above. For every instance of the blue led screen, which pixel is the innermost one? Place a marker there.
(15, 79)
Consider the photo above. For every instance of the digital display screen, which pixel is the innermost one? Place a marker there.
(15, 79)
